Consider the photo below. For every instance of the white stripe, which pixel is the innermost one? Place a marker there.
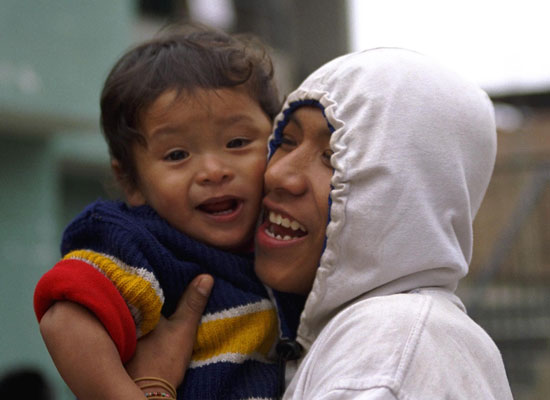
(235, 358)
(261, 305)
(258, 398)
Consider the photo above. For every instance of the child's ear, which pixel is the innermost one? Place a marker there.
(132, 193)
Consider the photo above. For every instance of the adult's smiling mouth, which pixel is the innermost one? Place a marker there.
(281, 227)
(220, 206)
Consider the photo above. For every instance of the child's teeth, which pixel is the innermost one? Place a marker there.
(295, 225)
(285, 222)
(223, 212)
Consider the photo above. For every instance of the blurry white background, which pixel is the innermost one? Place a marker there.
(501, 44)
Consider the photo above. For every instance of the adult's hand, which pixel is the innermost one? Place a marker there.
(166, 351)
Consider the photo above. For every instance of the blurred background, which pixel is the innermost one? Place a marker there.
(55, 54)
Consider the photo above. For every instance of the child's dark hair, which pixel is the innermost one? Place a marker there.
(192, 58)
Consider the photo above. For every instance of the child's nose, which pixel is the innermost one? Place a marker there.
(213, 171)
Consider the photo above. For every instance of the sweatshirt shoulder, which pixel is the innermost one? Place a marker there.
(379, 313)
(411, 344)
(365, 345)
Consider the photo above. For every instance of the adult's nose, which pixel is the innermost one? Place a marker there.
(286, 174)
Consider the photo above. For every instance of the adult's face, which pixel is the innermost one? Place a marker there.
(297, 183)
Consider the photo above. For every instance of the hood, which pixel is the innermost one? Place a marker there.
(414, 148)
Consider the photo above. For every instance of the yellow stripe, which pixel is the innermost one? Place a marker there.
(245, 334)
(136, 291)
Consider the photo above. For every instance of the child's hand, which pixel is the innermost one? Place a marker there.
(166, 351)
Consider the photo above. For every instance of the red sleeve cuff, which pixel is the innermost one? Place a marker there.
(79, 282)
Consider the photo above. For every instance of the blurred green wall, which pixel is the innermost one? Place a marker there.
(54, 56)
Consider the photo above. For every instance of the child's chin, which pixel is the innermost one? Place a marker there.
(234, 246)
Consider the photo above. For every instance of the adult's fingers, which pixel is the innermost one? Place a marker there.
(193, 301)
(166, 350)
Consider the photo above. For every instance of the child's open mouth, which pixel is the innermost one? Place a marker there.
(220, 206)
(283, 228)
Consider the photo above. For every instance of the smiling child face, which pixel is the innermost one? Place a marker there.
(203, 163)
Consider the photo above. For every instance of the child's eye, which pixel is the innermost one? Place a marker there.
(238, 142)
(176, 155)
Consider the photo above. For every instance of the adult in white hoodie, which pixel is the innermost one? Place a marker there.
(379, 163)
(406, 149)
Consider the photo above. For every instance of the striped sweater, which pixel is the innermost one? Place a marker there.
(129, 266)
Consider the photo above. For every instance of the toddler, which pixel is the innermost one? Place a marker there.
(186, 117)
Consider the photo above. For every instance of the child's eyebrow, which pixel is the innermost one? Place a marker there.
(173, 129)
(233, 119)
(165, 130)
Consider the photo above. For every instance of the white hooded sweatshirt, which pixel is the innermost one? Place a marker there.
(414, 148)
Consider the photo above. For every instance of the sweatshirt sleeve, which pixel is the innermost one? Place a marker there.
(127, 300)
(78, 282)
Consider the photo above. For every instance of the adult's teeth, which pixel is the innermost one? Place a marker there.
(275, 218)
(278, 219)
(278, 237)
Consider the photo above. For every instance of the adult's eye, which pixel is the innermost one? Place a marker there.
(237, 142)
(287, 141)
(327, 154)
(176, 155)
